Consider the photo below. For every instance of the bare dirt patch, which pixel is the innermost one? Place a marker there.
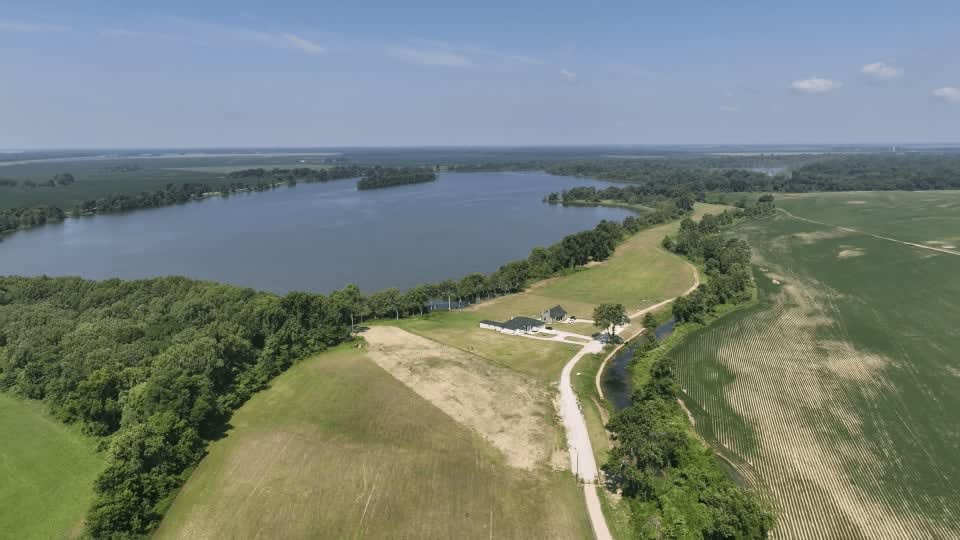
(812, 237)
(856, 202)
(848, 253)
(940, 244)
(506, 408)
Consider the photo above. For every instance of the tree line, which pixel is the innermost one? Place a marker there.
(674, 484)
(649, 196)
(155, 367)
(247, 180)
(861, 172)
(380, 178)
(62, 179)
(726, 261)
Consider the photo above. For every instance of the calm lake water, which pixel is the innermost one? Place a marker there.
(316, 237)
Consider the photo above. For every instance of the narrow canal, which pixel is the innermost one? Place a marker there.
(616, 377)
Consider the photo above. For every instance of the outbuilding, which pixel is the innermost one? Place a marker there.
(554, 314)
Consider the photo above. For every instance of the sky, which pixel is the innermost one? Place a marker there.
(137, 74)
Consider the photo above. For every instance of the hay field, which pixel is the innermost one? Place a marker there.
(837, 395)
(47, 471)
(339, 448)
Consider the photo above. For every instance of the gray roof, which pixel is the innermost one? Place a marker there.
(556, 312)
(492, 323)
(522, 323)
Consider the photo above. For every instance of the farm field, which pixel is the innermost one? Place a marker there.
(47, 471)
(339, 448)
(101, 177)
(837, 393)
(926, 217)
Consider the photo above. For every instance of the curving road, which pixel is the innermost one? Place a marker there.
(582, 460)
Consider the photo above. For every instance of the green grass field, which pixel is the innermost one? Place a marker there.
(338, 448)
(837, 393)
(46, 473)
(638, 275)
(914, 216)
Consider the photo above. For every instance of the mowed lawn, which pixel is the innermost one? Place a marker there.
(639, 274)
(338, 448)
(47, 471)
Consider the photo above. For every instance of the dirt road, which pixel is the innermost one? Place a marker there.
(582, 462)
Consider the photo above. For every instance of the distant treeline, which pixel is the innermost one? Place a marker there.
(24, 218)
(828, 173)
(383, 178)
(155, 367)
(675, 485)
(63, 179)
(648, 196)
(265, 179)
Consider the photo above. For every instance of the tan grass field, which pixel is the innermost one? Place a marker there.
(338, 448)
(512, 411)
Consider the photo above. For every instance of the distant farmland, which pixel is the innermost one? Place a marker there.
(837, 394)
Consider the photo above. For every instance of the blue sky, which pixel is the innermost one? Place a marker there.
(283, 73)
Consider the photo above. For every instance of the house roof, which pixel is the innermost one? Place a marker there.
(520, 323)
(557, 312)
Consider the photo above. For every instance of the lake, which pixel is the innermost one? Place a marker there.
(316, 237)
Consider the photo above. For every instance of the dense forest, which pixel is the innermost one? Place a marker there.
(674, 484)
(383, 178)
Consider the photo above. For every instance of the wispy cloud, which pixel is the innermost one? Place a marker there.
(730, 108)
(428, 57)
(508, 57)
(881, 71)
(815, 85)
(568, 75)
(19, 26)
(948, 93)
(212, 32)
(303, 44)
